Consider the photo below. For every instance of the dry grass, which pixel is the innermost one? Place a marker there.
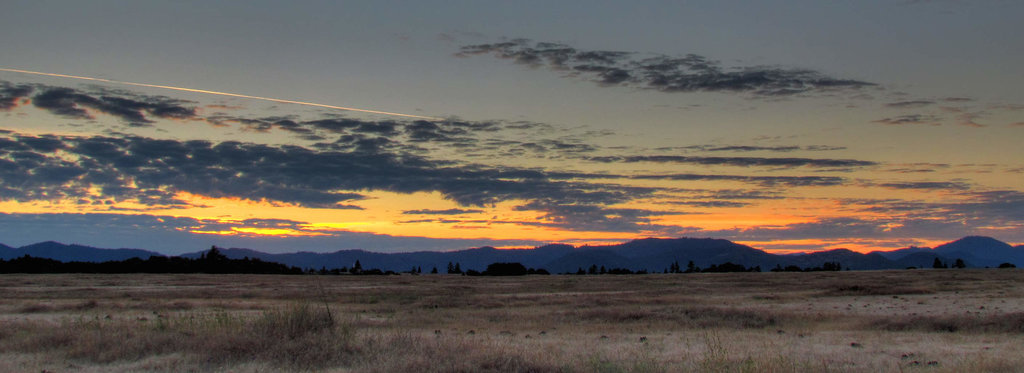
(934, 321)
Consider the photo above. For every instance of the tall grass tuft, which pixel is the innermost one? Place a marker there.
(302, 337)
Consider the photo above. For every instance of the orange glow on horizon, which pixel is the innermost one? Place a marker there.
(860, 245)
(246, 231)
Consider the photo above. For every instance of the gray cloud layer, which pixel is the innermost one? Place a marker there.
(736, 161)
(32, 170)
(691, 73)
(104, 170)
(135, 110)
(765, 181)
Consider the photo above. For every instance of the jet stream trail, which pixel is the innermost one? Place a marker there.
(219, 93)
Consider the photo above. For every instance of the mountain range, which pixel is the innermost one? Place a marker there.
(652, 254)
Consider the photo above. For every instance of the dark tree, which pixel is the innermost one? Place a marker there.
(505, 269)
(730, 267)
(213, 255)
(959, 263)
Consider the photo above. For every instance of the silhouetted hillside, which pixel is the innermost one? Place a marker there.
(584, 258)
(848, 259)
(925, 259)
(656, 254)
(901, 253)
(982, 251)
(74, 253)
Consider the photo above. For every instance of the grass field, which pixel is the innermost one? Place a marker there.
(913, 320)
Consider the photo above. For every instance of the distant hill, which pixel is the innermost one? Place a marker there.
(847, 258)
(575, 260)
(652, 254)
(73, 253)
(901, 253)
(982, 251)
(925, 259)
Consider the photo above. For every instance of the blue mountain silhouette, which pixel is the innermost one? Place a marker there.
(650, 254)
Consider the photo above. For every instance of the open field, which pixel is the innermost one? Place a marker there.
(915, 320)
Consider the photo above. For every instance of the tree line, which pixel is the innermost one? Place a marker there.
(212, 261)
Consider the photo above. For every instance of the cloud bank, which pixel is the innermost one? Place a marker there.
(690, 73)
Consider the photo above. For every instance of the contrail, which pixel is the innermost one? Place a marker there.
(219, 93)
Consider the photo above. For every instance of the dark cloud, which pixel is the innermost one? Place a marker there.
(936, 185)
(917, 168)
(590, 217)
(992, 208)
(396, 134)
(714, 204)
(739, 194)
(442, 212)
(469, 138)
(71, 103)
(820, 148)
(910, 119)
(736, 161)
(424, 131)
(909, 104)
(751, 148)
(152, 171)
(43, 143)
(532, 126)
(691, 73)
(10, 94)
(720, 198)
(543, 148)
(765, 181)
(366, 144)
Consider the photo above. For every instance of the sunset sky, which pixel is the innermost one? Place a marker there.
(787, 126)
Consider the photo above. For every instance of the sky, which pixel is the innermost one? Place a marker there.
(791, 126)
